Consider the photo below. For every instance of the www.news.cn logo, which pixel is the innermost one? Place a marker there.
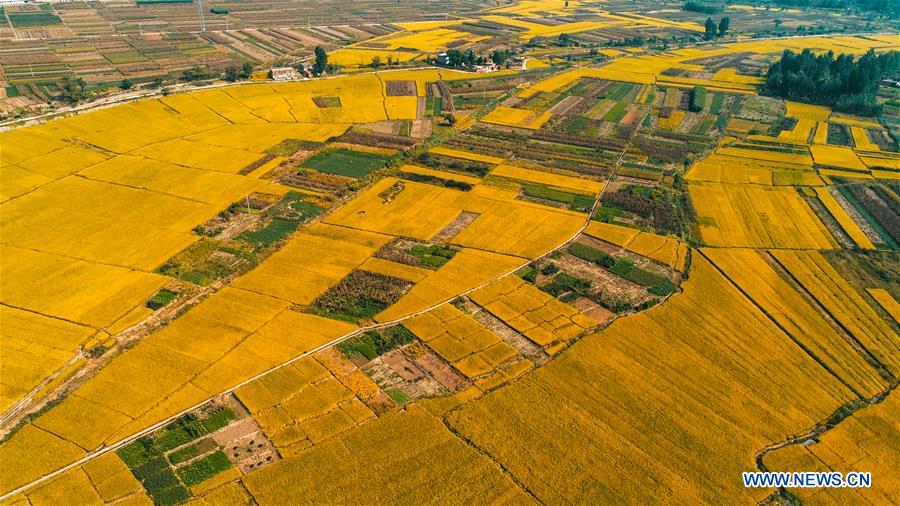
(807, 480)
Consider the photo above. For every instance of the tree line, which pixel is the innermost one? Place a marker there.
(842, 82)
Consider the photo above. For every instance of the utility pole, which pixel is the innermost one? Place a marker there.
(200, 11)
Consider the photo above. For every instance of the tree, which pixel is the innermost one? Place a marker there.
(723, 26)
(450, 118)
(565, 39)
(390, 61)
(499, 57)
(73, 89)
(192, 74)
(711, 29)
(321, 61)
(376, 62)
(231, 74)
(126, 84)
(777, 24)
(844, 83)
(246, 70)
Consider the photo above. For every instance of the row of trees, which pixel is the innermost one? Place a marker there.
(714, 31)
(883, 7)
(705, 8)
(843, 82)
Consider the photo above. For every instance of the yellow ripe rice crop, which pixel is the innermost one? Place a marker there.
(729, 388)
(558, 180)
(33, 346)
(886, 301)
(615, 234)
(673, 121)
(535, 314)
(755, 277)
(519, 118)
(200, 156)
(465, 155)
(302, 404)
(686, 82)
(64, 161)
(69, 423)
(719, 168)
(232, 494)
(286, 336)
(461, 340)
(837, 156)
(757, 217)
(69, 289)
(658, 247)
(18, 462)
(15, 181)
(357, 56)
(801, 131)
(883, 159)
(771, 156)
(311, 262)
(534, 8)
(111, 477)
(666, 250)
(230, 475)
(214, 188)
(854, 122)
(540, 30)
(420, 211)
(405, 450)
(845, 221)
(71, 487)
(466, 270)
(730, 75)
(844, 303)
(861, 139)
(867, 440)
(807, 111)
(821, 136)
(427, 39)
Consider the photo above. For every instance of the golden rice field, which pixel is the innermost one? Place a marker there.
(538, 316)
(844, 220)
(88, 267)
(457, 337)
(844, 304)
(665, 250)
(757, 217)
(520, 118)
(648, 69)
(302, 404)
(91, 210)
(754, 275)
(731, 169)
(865, 441)
(505, 225)
(547, 178)
(886, 301)
(605, 405)
(397, 455)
